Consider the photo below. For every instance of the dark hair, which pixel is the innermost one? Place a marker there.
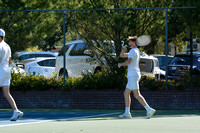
(1, 37)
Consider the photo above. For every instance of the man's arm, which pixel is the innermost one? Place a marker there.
(126, 63)
(123, 54)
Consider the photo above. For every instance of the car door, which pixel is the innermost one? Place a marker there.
(77, 61)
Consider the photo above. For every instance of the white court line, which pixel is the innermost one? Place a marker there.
(58, 119)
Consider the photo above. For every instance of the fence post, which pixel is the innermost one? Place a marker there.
(166, 49)
(191, 56)
(64, 56)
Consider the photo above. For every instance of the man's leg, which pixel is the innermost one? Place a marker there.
(16, 114)
(127, 97)
(142, 101)
(139, 97)
(7, 95)
(127, 100)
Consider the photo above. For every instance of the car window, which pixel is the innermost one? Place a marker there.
(47, 63)
(62, 50)
(169, 59)
(180, 61)
(162, 60)
(78, 49)
(28, 56)
(146, 65)
(156, 63)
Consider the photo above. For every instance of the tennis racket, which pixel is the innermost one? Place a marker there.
(143, 40)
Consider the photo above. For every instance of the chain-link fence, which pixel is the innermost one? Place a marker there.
(87, 40)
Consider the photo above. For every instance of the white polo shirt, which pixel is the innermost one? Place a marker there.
(133, 67)
(5, 54)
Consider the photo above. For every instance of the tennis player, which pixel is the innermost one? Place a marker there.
(5, 75)
(133, 79)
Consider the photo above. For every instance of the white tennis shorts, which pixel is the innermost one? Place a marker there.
(133, 82)
(5, 76)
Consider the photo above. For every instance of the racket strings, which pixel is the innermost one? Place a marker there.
(143, 40)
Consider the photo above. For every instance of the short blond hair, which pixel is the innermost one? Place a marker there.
(132, 38)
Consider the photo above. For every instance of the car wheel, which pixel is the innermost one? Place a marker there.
(61, 73)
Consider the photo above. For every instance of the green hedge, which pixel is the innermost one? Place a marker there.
(98, 81)
(33, 82)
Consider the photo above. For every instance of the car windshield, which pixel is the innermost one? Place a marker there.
(180, 60)
(62, 50)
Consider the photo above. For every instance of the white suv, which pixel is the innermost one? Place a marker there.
(77, 60)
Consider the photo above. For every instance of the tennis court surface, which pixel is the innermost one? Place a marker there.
(83, 121)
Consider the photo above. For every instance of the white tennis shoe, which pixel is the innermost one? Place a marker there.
(126, 116)
(16, 115)
(150, 113)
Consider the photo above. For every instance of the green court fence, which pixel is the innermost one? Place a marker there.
(100, 28)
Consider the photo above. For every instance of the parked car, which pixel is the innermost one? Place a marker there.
(24, 57)
(41, 66)
(77, 61)
(181, 64)
(162, 60)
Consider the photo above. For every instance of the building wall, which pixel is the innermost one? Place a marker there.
(196, 47)
(102, 99)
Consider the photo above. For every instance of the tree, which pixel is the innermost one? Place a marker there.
(117, 25)
(25, 29)
(189, 18)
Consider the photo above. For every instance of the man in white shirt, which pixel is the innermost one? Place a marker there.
(5, 75)
(133, 79)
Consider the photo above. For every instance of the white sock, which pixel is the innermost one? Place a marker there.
(16, 110)
(147, 107)
(127, 110)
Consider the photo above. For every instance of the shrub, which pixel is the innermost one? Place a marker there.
(150, 83)
(34, 82)
(100, 81)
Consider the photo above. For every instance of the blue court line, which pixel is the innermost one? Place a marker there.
(40, 117)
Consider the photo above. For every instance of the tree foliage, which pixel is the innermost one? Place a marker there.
(24, 28)
(189, 17)
(45, 29)
(117, 25)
